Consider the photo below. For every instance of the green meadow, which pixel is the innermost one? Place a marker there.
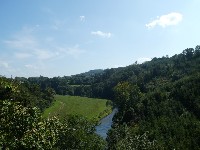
(91, 108)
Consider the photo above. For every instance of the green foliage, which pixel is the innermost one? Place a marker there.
(187, 92)
(138, 142)
(29, 95)
(168, 105)
(79, 135)
(22, 128)
(127, 95)
(8, 88)
(123, 138)
(166, 113)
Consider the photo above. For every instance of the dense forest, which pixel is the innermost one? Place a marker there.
(158, 107)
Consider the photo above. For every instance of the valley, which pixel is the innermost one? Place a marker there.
(158, 107)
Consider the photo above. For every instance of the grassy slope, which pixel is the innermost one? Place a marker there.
(88, 107)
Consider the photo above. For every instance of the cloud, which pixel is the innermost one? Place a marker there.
(29, 66)
(73, 51)
(21, 42)
(57, 24)
(170, 19)
(143, 59)
(43, 54)
(82, 18)
(32, 53)
(101, 34)
(22, 55)
(37, 25)
(28, 46)
(36, 68)
(4, 64)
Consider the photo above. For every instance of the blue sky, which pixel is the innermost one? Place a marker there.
(66, 37)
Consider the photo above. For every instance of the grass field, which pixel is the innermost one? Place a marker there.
(91, 108)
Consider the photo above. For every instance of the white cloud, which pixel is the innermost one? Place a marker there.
(4, 64)
(82, 18)
(73, 51)
(101, 34)
(170, 19)
(44, 54)
(34, 68)
(29, 66)
(21, 42)
(58, 24)
(143, 59)
(26, 44)
(49, 39)
(31, 53)
(26, 48)
(22, 55)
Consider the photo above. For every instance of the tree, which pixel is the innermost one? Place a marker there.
(126, 95)
(23, 128)
(79, 134)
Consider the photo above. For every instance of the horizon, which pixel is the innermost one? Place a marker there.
(64, 38)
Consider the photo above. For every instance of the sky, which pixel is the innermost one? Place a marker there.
(67, 37)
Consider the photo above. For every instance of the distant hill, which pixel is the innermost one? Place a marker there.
(92, 72)
(99, 83)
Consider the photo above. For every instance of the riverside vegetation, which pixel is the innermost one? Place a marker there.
(158, 107)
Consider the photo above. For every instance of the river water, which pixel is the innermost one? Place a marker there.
(105, 124)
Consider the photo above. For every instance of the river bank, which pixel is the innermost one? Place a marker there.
(105, 124)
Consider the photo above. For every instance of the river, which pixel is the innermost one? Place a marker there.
(105, 124)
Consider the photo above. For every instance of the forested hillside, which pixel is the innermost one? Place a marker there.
(158, 106)
(100, 83)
